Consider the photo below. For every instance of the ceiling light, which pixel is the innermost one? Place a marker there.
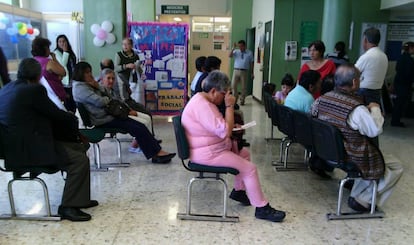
(177, 19)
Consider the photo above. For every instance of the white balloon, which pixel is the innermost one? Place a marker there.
(98, 42)
(36, 32)
(95, 28)
(110, 38)
(107, 26)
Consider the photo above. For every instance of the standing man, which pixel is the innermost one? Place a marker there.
(38, 134)
(358, 123)
(373, 65)
(243, 61)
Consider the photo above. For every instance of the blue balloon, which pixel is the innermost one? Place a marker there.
(14, 39)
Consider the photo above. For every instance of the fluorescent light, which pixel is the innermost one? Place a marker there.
(177, 19)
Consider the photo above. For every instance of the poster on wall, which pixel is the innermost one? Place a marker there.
(162, 48)
(398, 34)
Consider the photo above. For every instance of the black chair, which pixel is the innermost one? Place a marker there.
(303, 132)
(96, 135)
(28, 174)
(329, 145)
(268, 101)
(286, 126)
(203, 175)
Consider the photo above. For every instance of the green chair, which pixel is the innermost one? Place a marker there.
(204, 174)
(96, 135)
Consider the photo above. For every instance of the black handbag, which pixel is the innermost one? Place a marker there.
(117, 109)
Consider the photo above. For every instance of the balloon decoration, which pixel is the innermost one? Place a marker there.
(103, 33)
(20, 29)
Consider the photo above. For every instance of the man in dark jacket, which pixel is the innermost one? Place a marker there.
(38, 134)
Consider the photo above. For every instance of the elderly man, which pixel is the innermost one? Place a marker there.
(358, 123)
(39, 134)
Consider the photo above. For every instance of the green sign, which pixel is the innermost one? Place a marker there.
(203, 35)
(174, 9)
(308, 32)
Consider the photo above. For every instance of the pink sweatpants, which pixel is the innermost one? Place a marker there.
(247, 179)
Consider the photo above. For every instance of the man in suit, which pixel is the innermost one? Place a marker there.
(38, 134)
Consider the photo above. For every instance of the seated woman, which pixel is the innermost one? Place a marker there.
(88, 92)
(208, 133)
(108, 81)
(287, 85)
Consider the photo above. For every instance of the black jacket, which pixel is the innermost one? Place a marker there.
(30, 125)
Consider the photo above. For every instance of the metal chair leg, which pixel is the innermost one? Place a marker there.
(339, 215)
(14, 215)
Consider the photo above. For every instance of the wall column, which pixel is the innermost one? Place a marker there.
(336, 23)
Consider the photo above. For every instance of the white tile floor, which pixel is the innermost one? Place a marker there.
(138, 204)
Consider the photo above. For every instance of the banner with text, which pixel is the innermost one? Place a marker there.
(162, 48)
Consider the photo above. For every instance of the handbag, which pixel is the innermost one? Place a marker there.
(117, 109)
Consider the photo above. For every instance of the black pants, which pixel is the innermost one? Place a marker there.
(400, 103)
(146, 140)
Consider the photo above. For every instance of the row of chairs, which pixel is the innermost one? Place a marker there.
(321, 138)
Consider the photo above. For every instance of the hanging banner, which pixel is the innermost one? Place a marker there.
(162, 48)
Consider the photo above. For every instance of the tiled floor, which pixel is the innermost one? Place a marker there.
(138, 204)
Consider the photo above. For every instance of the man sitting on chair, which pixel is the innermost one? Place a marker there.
(358, 124)
(41, 135)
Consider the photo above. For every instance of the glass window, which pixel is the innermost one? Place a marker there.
(211, 24)
(16, 35)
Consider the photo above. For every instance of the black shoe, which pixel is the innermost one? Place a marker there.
(163, 159)
(240, 196)
(245, 143)
(91, 204)
(269, 213)
(73, 214)
(352, 203)
(349, 184)
(398, 124)
(159, 141)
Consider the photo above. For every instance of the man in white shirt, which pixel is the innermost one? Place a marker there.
(243, 62)
(199, 63)
(373, 65)
(358, 123)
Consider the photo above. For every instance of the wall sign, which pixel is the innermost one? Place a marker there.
(174, 9)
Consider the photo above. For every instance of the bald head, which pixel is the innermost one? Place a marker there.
(346, 75)
(107, 63)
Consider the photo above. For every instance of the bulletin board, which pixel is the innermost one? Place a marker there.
(162, 48)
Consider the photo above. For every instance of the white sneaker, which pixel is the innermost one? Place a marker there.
(135, 150)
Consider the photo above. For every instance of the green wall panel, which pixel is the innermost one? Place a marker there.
(143, 10)
(289, 14)
(95, 13)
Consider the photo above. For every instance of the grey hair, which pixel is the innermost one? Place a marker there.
(29, 69)
(216, 79)
(345, 74)
(107, 71)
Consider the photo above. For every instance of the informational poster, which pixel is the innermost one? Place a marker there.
(398, 34)
(162, 48)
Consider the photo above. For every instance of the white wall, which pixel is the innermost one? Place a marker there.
(263, 11)
(55, 5)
